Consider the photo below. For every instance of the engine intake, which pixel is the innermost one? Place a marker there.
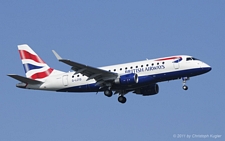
(127, 79)
(149, 90)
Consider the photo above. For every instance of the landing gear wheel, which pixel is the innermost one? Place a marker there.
(108, 93)
(122, 99)
(185, 79)
(185, 87)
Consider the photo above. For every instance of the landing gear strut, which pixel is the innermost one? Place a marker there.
(122, 99)
(185, 87)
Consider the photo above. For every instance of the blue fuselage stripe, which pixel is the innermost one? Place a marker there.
(143, 80)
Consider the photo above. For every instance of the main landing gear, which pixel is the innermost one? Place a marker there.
(185, 87)
(121, 97)
(108, 93)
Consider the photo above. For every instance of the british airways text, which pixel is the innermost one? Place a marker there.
(152, 68)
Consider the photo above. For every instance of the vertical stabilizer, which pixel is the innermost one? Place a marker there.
(34, 66)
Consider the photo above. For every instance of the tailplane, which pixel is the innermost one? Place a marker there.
(35, 68)
(24, 79)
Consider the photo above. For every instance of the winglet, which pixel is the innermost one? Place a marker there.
(57, 55)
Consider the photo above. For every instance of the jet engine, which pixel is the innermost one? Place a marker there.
(149, 90)
(127, 79)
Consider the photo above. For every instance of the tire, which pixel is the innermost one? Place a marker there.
(185, 87)
(108, 93)
(122, 99)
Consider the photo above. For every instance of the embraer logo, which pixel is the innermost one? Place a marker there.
(138, 70)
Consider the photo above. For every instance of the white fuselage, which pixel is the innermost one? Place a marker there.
(161, 69)
(137, 77)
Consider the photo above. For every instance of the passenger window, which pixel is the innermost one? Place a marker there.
(120, 68)
(136, 66)
(146, 64)
(114, 69)
(163, 62)
(131, 67)
(141, 65)
(157, 63)
(152, 64)
(126, 68)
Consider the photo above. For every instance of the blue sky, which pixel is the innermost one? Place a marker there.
(99, 33)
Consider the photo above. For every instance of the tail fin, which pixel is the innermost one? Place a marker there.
(34, 66)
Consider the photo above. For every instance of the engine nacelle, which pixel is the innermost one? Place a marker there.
(149, 90)
(127, 79)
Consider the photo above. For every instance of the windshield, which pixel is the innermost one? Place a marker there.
(191, 58)
(194, 58)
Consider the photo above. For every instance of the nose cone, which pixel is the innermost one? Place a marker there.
(206, 68)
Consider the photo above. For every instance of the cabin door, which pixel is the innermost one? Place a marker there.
(176, 64)
(65, 80)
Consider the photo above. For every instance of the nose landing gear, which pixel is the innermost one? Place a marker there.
(185, 87)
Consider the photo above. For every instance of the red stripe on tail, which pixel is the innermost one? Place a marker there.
(26, 55)
(41, 75)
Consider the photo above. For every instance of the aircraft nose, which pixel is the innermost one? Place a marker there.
(206, 67)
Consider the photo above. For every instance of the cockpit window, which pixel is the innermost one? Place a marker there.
(189, 59)
(194, 58)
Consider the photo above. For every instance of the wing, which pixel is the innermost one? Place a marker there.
(100, 76)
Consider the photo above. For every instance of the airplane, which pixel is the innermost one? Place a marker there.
(139, 77)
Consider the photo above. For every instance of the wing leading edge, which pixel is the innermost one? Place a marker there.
(100, 76)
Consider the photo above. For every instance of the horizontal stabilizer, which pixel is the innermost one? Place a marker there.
(24, 79)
